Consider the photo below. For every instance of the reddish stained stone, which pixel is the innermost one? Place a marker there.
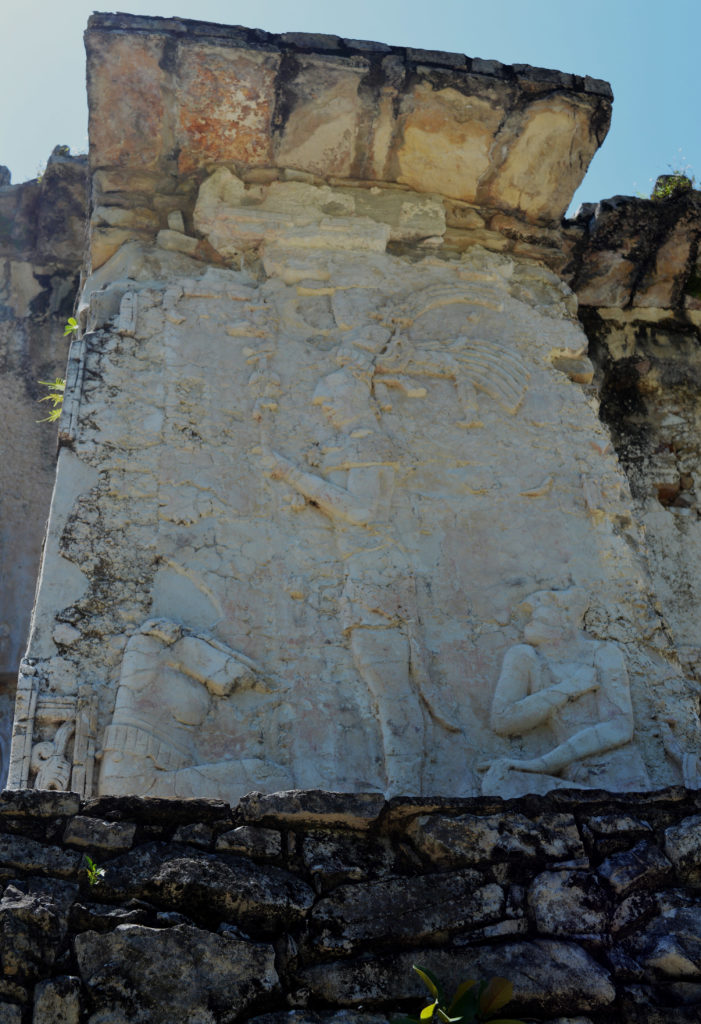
(225, 104)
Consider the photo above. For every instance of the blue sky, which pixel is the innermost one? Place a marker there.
(648, 51)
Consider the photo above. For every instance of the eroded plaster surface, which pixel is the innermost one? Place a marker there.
(335, 508)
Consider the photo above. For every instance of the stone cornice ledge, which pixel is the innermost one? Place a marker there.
(177, 97)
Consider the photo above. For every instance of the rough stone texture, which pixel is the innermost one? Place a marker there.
(57, 1002)
(516, 139)
(265, 257)
(286, 262)
(383, 912)
(634, 265)
(557, 975)
(174, 975)
(101, 836)
(468, 840)
(683, 847)
(179, 930)
(569, 904)
(631, 869)
(42, 229)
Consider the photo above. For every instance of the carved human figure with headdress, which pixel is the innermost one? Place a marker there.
(573, 693)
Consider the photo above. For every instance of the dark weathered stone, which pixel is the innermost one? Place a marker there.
(97, 836)
(20, 854)
(570, 904)
(101, 917)
(312, 807)
(37, 803)
(633, 912)
(208, 887)
(334, 858)
(682, 844)
(265, 843)
(155, 810)
(10, 1013)
(194, 834)
(669, 946)
(468, 839)
(260, 899)
(384, 901)
(174, 975)
(644, 865)
(404, 911)
(57, 1001)
(320, 1017)
(556, 975)
(30, 934)
(638, 1006)
(610, 833)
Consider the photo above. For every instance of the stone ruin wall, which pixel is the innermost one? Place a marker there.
(608, 884)
(636, 268)
(310, 908)
(217, 179)
(42, 236)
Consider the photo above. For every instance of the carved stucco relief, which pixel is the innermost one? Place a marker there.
(344, 478)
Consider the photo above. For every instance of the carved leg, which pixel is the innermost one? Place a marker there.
(381, 657)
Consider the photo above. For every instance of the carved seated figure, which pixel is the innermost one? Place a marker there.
(173, 717)
(563, 686)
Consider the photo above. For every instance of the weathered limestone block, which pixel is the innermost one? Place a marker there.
(569, 904)
(611, 833)
(683, 847)
(304, 444)
(669, 945)
(247, 840)
(20, 853)
(441, 123)
(101, 836)
(132, 970)
(312, 807)
(542, 971)
(57, 1001)
(31, 931)
(261, 900)
(37, 804)
(196, 834)
(470, 840)
(401, 912)
(644, 865)
(333, 858)
(234, 218)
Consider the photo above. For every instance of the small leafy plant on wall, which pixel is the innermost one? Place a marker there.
(56, 389)
(679, 180)
(473, 1002)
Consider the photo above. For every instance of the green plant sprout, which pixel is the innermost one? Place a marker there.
(56, 390)
(95, 874)
(473, 1001)
(679, 180)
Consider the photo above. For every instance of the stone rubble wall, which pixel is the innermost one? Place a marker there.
(42, 235)
(635, 265)
(309, 907)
